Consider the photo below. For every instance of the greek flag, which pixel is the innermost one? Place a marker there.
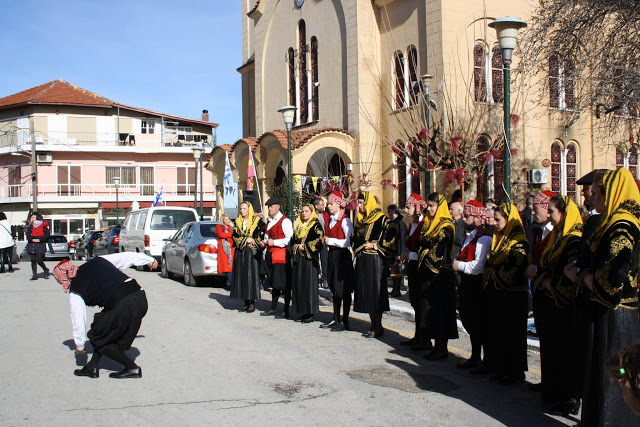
(227, 181)
(158, 200)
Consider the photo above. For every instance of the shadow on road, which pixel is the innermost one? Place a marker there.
(105, 362)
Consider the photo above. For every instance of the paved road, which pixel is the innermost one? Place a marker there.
(205, 363)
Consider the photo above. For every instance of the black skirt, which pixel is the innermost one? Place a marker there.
(371, 295)
(278, 275)
(119, 325)
(305, 286)
(473, 306)
(245, 281)
(441, 294)
(340, 271)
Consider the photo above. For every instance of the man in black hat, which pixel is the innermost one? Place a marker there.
(279, 232)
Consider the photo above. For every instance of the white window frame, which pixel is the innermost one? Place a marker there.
(147, 126)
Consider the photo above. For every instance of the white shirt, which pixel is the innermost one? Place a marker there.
(413, 256)
(124, 260)
(548, 228)
(475, 267)
(6, 239)
(287, 229)
(347, 229)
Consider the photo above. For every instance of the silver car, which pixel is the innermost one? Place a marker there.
(192, 252)
(59, 245)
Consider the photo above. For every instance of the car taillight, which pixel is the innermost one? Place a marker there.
(92, 241)
(72, 244)
(210, 249)
(146, 240)
(116, 240)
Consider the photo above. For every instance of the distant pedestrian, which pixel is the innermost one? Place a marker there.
(6, 243)
(225, 248)
(37, 237)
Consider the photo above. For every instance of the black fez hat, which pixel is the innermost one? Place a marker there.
(273, 201)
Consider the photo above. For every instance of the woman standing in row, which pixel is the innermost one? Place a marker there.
(373, 239)
(248, 232)
(305, 246)
(37, 237)
(507, 296)
(226, 250)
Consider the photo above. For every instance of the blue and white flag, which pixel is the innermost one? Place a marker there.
(158, 200)
(227, 181)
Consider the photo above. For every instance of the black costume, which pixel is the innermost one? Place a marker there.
(245, 281)
(306, 268)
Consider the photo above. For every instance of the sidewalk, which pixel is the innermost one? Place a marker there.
(400, 307)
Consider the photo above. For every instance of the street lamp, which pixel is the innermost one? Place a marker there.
(507, 31)
(116, 182)
(427, 173)
(288, 115)
(197, 156)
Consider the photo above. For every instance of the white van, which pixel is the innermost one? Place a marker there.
(144, 230)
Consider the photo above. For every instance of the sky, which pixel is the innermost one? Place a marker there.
(171, 57)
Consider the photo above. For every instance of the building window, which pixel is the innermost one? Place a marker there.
(479, 79)
(571, 171)
(148, 126)
(146, 181)
(127, 175)
(314, 79)
(628, 160)
(69, 181)
(490, 183)
(413, 73)
(186, 178)
(497, 76)
(302, 67)
(561, 83)
(482, 183)
(556, 167)
(399, 80)
(401, 160)
(415, 168)
(15, 181)
(291, 60)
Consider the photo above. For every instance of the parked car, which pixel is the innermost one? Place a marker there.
(109, 242)
(192, 253)
(145, 230)
(84, 248)
(59, 245)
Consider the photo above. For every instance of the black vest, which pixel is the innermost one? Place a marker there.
(96, 280)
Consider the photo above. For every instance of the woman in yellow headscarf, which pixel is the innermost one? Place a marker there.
(306, 244)
(436, 313)
(507, 297)
(373, 238)
(248, 232)
(611, 282)
(555, 310)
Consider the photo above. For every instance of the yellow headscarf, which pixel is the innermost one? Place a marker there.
(504, 240)
(372, 211)
(622, 201)
(252, 220)
(572, 227)
(440, 220)
(303, 230)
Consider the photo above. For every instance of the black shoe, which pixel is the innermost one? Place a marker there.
(46, 274)
(328, 325)
(86, 372)
(127, 373)
(422, 347)
(306, 319)
(369, 334)
(395, 294)
(268, 313)
(245, 308)
(569, 406)
(535, 387)
(437, 355)
(34, 277)
(338, 327)
(345, 323)
(468, 364)
(481, 370)
(282, 315)
(251, 309)
(409, 342)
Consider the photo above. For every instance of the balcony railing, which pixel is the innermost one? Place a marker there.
(103, 192)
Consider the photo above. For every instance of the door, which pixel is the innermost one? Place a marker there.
(170, 252)
(181, 245)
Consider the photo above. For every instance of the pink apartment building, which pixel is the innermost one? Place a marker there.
(82, 142)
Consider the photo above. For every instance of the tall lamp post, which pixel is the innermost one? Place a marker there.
(116, 182)
(197, 156)
(507, 31)
(427, 173)
(288, 115)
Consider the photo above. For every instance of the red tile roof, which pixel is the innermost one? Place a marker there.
(299, 137)
(254, 8)
(60, 92)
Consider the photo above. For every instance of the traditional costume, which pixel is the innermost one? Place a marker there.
(339, 263)
(306, 266)
(507, 291)
(473, 298)
(245, 281)
(225, 251)
(555, 316)
(371, 295)
(614, 269)
(437, 295)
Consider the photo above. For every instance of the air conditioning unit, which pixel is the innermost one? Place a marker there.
(537, 176)
(45, 158)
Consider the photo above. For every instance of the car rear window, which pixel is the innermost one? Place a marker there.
(208, 230)
(170, 220)
(57, 239)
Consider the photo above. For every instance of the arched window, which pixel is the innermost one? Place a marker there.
(291, 62)
(562, 83)
(302, 63)
(399, 79)
(569, 74)
(413, 73)
(415, 175)
(556, 168)
(497, 78)
(314, 79)
(482, 183)
(628, 160)
(479, 78)
(633, 162)
(554, 81)
(571, 171)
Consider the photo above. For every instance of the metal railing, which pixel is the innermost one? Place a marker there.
(20, 137)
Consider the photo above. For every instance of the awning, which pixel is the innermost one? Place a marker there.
(17, 217)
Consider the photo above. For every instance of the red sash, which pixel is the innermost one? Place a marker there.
(278, 255)
(336, 232)
(413, 239)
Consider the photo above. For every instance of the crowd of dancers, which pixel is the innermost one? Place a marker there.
(576, 266)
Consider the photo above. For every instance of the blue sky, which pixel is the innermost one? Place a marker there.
(172, 57)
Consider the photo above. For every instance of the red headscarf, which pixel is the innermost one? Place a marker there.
(64, 272)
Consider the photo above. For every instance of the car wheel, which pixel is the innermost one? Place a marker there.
(189, 280)
(164, 272)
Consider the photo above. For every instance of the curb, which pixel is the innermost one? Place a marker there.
(533, 343)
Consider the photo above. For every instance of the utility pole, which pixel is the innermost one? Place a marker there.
(34, 175)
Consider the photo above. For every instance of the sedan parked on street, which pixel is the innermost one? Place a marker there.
(192, 252)
(84, 248)
(109, 242)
